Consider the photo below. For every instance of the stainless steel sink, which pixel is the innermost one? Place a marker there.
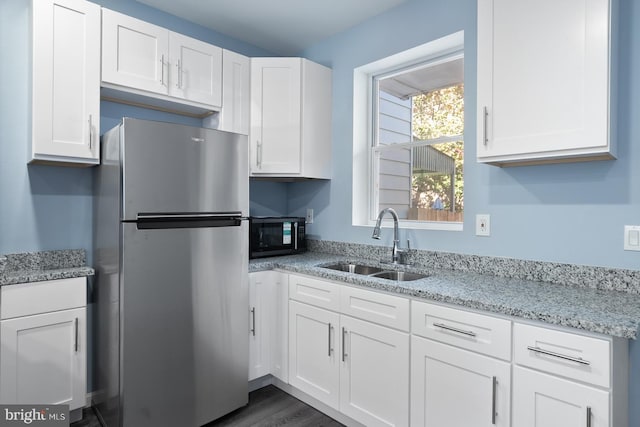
(365, 270)
(400, 276)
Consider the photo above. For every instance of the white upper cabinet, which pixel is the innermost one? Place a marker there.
(134, 53)
(66, 82)
(197, 70)
(290, 134)
(146, 60)
(234, 116)
(544, 81)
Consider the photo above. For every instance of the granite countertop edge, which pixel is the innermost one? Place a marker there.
(606, 312)
(29, 276)
(28, 267)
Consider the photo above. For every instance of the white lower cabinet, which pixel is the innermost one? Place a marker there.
(357, 367)
(562, 379)
(386, 360)
(43, 351)
(542, 400)
(457, 388)
(314, 349)
(374, 374)
(268, 327)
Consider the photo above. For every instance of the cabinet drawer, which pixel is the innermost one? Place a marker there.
(386, 310)
(26, 299)
(476, 332)
(562, 353)
(315, 292)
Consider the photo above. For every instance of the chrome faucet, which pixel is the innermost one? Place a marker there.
(396, 251)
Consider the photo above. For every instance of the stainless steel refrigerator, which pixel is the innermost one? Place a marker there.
(171, 291)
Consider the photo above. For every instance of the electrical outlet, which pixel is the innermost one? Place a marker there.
(483, 225)
(631, 238)
(309, 219)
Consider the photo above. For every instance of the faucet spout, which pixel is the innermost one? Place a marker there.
(396, 239)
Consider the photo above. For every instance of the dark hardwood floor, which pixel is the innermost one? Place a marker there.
(268, 407)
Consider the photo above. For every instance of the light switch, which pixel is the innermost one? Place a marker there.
(632, 238)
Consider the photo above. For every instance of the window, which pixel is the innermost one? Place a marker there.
(414, 144)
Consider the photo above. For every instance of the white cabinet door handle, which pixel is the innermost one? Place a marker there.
(494, 391)
(90, 133)
(253, 321)
(76, 335)
(485, 115)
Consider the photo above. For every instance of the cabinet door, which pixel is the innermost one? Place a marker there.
(543, 79)
(196, 70)
(457, 388)
(275, 115)
(259, 290)
(66, 81)
(374, 373)
(269, 330)
(234, 116)
(541, 400)
(314, 352)
(43, 359)
(135, 53)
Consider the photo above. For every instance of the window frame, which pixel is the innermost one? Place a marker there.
(364, 197)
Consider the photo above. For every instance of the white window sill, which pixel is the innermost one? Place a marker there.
(416, 225)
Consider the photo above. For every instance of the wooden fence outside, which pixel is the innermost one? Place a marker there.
(428, 214)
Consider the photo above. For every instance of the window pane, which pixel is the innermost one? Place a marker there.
(437, 182)
(439, 113)
(419, 148)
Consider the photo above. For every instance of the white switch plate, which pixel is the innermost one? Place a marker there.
(483, 225)
(632, 237)
(309, 219)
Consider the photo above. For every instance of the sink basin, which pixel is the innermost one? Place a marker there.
(400, 276)
(354, 268)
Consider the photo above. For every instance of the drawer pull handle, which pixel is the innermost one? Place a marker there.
(494, 391)
(452, 329)
(559, 356)
(588, 416)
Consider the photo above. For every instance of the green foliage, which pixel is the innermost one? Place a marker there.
(436, 114)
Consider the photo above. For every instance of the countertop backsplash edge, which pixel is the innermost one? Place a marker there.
(602, 278)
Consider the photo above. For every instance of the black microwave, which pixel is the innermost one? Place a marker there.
(272, 236)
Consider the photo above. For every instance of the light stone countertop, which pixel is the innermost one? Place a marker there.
(602, 311)
(40, 266)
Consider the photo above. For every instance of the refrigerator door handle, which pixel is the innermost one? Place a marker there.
(198, 220)
(169, 216)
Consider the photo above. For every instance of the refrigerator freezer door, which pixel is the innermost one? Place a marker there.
(184, 347)
(170, 168)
